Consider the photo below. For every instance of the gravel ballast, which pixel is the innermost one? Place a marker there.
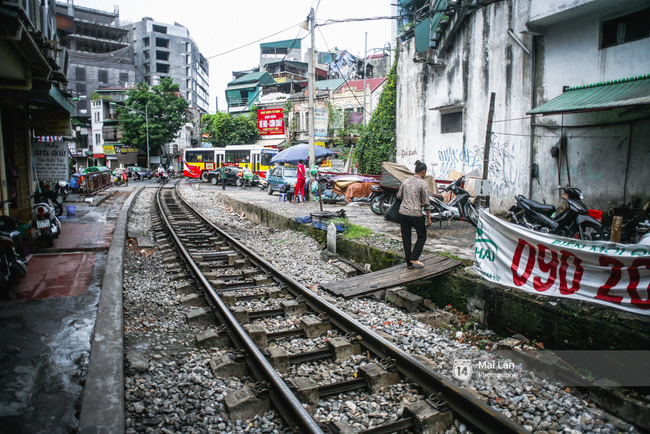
(170, 387)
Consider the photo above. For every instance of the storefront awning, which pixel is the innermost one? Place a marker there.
(600, 96)
(270, 142)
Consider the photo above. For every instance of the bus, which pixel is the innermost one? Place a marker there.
(256, 157)
(197, 162)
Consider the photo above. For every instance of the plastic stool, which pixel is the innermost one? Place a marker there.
(283, 197)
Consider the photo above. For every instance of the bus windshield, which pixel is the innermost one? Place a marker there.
(266, 159)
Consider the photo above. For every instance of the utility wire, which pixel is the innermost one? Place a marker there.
(346, 78)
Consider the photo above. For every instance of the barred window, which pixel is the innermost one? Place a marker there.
(451, 122)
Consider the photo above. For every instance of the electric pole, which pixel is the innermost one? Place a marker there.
(311, 90)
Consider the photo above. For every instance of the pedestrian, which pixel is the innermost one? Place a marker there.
(299, 192)
(414, 194)
(125, 177)
(222, 176)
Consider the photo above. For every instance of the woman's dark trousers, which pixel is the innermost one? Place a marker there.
(407, 223)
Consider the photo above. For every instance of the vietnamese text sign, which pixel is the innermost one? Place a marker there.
(320, 122)
(615, 275)
(270, 121)
(51, 123)
(51, 160)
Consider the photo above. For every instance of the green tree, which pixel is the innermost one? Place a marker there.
(166, 111)
(225, 129)
(378, 142)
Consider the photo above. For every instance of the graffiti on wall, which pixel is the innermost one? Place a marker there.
(503, 169)
(460, 160)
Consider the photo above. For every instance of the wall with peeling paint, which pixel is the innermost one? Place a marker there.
(483, 58)
(605, 152)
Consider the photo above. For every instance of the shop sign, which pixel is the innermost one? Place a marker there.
(51, 123)
(109, 149)
(51, 160)
(320, 122)
(603, 272)
(270, 122)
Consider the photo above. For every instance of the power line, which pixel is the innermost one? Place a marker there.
(346, 78)
(255, 42)
(352, 20)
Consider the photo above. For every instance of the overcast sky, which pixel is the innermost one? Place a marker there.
(218, 26)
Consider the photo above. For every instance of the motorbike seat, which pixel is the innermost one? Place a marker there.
(438, 196)
(539, 207)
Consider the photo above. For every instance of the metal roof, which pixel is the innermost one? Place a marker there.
(599, 96)
(288, 43)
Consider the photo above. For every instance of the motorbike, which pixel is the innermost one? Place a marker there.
(50, 197)
(13, 262)
(382, 198)
(263, 184)
(163, 178)
(572, 221)
(643, 233)
(459, 208)
(45, 220)
(62, 189)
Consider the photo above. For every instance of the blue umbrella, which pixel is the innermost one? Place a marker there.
(300, 152)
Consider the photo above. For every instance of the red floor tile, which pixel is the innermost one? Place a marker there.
(56, 275)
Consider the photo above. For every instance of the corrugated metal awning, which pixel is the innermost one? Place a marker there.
(600, 96)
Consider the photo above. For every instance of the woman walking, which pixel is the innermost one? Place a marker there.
(414, 194)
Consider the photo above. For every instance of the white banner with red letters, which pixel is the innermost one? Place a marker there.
(611, 274)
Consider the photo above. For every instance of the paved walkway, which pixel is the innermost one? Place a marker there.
(47, 329)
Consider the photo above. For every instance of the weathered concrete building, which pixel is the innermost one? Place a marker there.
(529, 54)
(167, 50)
(33, 101)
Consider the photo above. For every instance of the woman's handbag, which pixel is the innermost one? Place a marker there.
(392, 213)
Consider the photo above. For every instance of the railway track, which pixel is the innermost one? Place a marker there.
(247, 293)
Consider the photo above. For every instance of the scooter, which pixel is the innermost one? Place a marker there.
(643, 233)
(459, 208)
(572, 221)
(45, 221)
(13, 263)
(163, 178)
(382, 198)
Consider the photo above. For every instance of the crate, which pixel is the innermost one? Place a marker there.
(323, 226)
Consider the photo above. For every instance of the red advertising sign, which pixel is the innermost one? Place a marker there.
(270, 121)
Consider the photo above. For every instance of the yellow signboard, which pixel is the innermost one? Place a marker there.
(51, 123)
(109, 149)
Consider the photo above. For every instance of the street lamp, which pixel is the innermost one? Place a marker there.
(146, 119)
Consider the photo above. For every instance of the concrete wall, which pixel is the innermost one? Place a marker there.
(483, 58)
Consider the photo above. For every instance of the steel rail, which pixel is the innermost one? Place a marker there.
(289, 407)
(461, 402)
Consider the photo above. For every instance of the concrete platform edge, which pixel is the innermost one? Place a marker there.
(102, 406)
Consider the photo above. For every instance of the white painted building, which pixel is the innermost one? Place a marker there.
(527, 52)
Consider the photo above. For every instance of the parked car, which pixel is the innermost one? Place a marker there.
(232, 177)
(144, 173)
(282, 175)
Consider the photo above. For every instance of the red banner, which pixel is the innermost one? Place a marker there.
(270, 122)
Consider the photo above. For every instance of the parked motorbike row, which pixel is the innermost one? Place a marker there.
(13, 260)
(460, 207)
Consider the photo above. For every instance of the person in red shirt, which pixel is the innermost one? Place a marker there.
(299, 192)
(125, 177)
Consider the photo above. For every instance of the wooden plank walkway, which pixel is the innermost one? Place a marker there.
(434, 265)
